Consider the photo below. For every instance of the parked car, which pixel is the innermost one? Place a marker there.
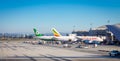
(66, 45)
(39, 42)
(80, 46)
(114, 53)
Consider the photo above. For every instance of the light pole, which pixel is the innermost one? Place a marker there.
(73, 28)
(91, 29)
(108, 22)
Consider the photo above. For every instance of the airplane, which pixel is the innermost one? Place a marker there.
(89, 39)
(41, 36)
(59, 37)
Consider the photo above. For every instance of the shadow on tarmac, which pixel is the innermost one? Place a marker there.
(49, 57)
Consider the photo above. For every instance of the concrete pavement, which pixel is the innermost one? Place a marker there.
(16, 51)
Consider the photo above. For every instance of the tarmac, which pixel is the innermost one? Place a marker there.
(19, 51)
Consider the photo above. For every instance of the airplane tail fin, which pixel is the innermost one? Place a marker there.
(55, 32)
(36, 32)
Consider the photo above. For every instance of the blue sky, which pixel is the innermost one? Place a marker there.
(24, 15)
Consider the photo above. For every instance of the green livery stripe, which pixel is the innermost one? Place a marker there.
(55, 31)
(37, 33)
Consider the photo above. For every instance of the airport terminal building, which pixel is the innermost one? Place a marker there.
(109, 33)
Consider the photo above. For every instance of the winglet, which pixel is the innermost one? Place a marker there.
(55, 32)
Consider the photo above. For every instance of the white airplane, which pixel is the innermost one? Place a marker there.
(41, 36)
(59, 37)
(91, 38)
(74, 38)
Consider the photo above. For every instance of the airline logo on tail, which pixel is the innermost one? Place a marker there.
(37, 33)
(55, 32)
